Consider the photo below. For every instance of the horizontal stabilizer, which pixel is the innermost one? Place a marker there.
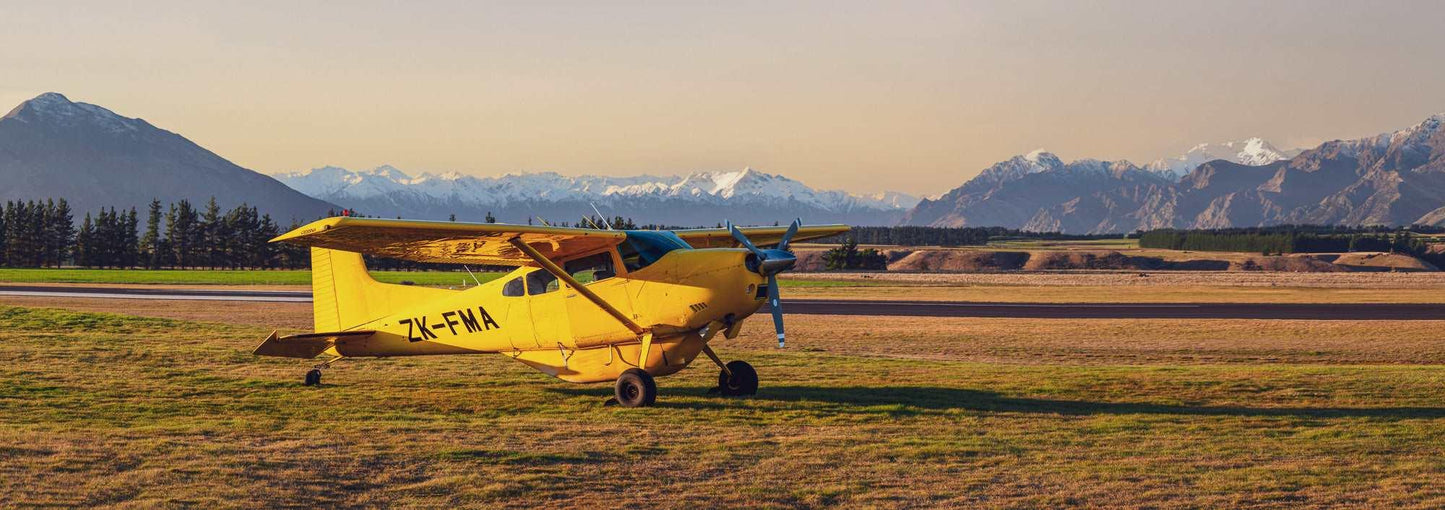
(304, 346)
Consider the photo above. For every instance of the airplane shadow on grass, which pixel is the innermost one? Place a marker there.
(905, 400)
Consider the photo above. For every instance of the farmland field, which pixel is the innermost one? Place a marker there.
(166, 407)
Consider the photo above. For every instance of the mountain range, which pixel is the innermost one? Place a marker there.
(51, 147)
(704, 198)
(1390, 179)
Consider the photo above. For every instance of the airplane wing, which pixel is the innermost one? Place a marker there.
(760, 236)
(448, 241)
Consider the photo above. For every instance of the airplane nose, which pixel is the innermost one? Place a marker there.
(776, 261)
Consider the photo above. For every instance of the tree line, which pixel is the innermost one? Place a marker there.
(42, 233)
(1296, 239)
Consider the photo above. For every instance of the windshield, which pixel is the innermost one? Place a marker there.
(643, 247)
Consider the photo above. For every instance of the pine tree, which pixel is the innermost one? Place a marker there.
(102, 240)
(35, 234)
(490, 218)
(49, 249)
(84, 243)
(268, 230)
(213, 235)
(62, 231)
(180, 232)
(129, 240)
(152, 245)
(4, 233)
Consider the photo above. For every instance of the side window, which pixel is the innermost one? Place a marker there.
(631, 258)
(541, 282)
(591, 268)
(513, 288)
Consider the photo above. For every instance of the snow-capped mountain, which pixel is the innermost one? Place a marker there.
(1252, 152)
(1393, 178)
(703, 198)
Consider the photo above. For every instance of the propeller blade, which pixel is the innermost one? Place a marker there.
(743, 240)
(777, 308)
(788, 236)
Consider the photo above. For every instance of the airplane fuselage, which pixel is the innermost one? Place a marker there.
(556, 330)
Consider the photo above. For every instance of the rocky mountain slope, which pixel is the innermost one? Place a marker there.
(51, 147)
(744, 196)
(1390, 179)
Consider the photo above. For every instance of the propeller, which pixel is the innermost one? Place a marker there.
(770, 262)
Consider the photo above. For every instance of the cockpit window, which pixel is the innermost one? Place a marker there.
(643, 247)
(541, 282)
(591, 268)
(513, 288)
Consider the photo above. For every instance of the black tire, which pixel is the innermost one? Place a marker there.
(313, 378)
(744, 380)
(635, 388)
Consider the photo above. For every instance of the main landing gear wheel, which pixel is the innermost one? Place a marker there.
(635, 388)
(743, 381)
(313, 377)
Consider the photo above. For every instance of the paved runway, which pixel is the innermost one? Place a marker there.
(1369, 311)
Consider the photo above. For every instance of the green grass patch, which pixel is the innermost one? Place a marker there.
(786, 282)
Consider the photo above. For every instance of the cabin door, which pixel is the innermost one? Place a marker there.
(550, 321)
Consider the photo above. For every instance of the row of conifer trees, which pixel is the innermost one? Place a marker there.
(42, 233)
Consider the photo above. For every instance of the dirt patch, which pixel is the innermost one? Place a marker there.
(1113, 260)
(968, 261)
(809, 260)
(1289, 264)
(1382, 262)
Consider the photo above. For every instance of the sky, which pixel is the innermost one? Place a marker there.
(909, 96)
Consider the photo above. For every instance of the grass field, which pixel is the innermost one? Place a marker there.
(100, 409)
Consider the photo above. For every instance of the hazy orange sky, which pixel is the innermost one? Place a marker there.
(909, 96)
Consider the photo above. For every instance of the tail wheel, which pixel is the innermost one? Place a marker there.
(743, 381)
(313, 377)
(635, 388)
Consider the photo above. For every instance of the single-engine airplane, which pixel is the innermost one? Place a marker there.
(583, 305)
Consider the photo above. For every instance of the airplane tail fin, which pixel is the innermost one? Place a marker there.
(344, 295)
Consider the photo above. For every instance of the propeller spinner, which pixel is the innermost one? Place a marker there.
(770, 262)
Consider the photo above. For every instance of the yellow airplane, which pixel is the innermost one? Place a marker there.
(651, 301)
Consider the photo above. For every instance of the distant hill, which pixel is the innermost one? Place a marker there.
(52, 147)
(1391, 179)
(706, 198)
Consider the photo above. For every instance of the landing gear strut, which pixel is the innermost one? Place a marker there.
(635, 388)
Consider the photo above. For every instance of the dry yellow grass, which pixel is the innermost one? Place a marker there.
(116, 411)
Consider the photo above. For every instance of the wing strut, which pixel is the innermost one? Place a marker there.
(562, 275)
